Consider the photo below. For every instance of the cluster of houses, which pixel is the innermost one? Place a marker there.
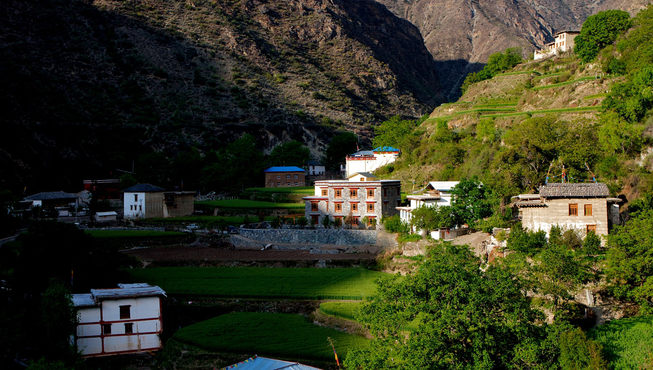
(564, 41)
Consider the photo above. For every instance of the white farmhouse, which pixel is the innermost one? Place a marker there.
(564, 41)
(116, 321)
(370, 160)
(436, 194)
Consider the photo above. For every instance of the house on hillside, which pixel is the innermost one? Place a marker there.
(258, 363)
(435, 194)
(147, 201)
(54, 203)
(127, 319)
(583, 207)
(370, 160)
(361, 196)
(564, 41)
(315, 168)
(284, 176)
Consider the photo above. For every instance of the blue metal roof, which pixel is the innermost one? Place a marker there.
(386, 149)
(285, 169)
(143, 188)
(264, 363)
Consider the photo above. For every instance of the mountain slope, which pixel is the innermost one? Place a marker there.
(462, 34)
(90, 85)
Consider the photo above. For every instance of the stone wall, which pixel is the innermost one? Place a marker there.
(312, 237)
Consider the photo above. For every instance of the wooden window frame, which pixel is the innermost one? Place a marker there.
(106, 329)
(337, 207)
(353, 193)
(573, 209)
(370, 193)
(589, 228)
(129, 328)
(314, 207)
(325, 192)
(125, 311)
(587, 207)
(354, 207)
(337, 193)
(370, 207)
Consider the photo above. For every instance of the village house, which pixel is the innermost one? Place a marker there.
(316, 168)
(583, 207)
(370, 160)
(361, 197)
(564, 41)
(284, 176)
(435, 194)
(127, 319)
(55, 203)
(147, 201)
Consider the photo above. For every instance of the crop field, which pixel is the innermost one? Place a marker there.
(262, 282)
(288, 336)
(543, 111)
(249, 204)
(119, 234)
(208, 220)
(586, 78)
(627, 343)
(345, 310)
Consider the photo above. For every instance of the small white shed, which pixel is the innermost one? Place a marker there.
(117, 321)
(110, 216)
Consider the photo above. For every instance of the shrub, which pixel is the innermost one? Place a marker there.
(394, 224)
(598, 31)
(579, 352)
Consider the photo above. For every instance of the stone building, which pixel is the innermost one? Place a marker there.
(564, 41)
(284, 176)
(582, 207)
(147, 201)
(361, 196)
(370, 160)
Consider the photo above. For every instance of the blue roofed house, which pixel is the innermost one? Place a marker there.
(265, 363)
(370, 160)
(284, 176)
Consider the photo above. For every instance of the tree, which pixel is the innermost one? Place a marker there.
(431, 218)
(397, 133)
(629, 261)
(338, 148)
(496, 63)
(598, 31)
(238, 165)
(58, 321)
(459, 316)
(579, 352)
(291, 153)
(633, 98)
(471, 201)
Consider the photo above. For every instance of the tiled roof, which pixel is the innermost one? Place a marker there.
(285, 169)
(49, 195)
(574, 190)
(143, 188)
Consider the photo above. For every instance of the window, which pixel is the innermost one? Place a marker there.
(338, 193)
(385, 192)
(370, 193)
(106, 329)
(296, 177)
(124, 312)
(356, 220)
(278, 177)
(288, 183)
(370, 207)
(591, 228)
(588, 210)
(353, 193)
(129, 328)
(140, 207)
(288, 177)
(338, 207)
(135, 197)
(324, 192)
(314, 207)
(354, 207)
(573, 209)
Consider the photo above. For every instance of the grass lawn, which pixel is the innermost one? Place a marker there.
(289, 190)
(627, 343)
(288, 336)
(249, 204)
(263, 282)
(345, 310)
(208, 220)
(110, 234)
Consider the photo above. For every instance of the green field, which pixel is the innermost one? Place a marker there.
(344, 310)
(543, 111)
(288, 336)
(208, 220)
(262, 282)
(290, 190)
(249, 204)
(627, 343)
(111, 234)
(586, 78)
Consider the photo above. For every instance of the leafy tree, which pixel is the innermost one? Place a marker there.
(633, 98)
(291, 153)
(629, 261)
(58, 322)
(302, 221)
(496, 63)
(432, 218)
(592, 243)
(397, 133)
(339, 147)
(235, 167)
(579, 352)
(471, 201)
(394, 224)
(598, 31)
(459, 316)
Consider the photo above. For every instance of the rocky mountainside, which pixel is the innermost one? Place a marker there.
(461, 34)
(89, 85)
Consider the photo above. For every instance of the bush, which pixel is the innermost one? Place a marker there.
(496, 63)
(526, 242)
(598, 31)
(394, 224)
(579, 352)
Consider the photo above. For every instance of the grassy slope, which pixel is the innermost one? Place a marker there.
(345, 310)
(256, 282)
(627, 343)
(270, 334)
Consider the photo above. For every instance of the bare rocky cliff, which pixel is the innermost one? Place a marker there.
(461, 34)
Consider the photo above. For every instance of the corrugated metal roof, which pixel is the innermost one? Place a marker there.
(83, 300)
(386, 149)
(129, 290)
(367, 175)
(50, 195)
(362, 153)
(264, 363)
(143, 188)
(109, 213)
(285, 169)
(574, 190)
(443, 185)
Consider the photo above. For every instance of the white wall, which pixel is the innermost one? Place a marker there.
(134, 208)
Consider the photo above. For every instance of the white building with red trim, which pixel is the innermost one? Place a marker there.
(564, 41)
(361, 197)
(127, 319)
(370, 160)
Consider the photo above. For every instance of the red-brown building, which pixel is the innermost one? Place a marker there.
(283, 177)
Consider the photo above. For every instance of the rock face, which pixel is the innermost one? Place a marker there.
(90, 85)
(461, 34)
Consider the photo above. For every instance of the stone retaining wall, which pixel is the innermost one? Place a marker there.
(315, 237)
